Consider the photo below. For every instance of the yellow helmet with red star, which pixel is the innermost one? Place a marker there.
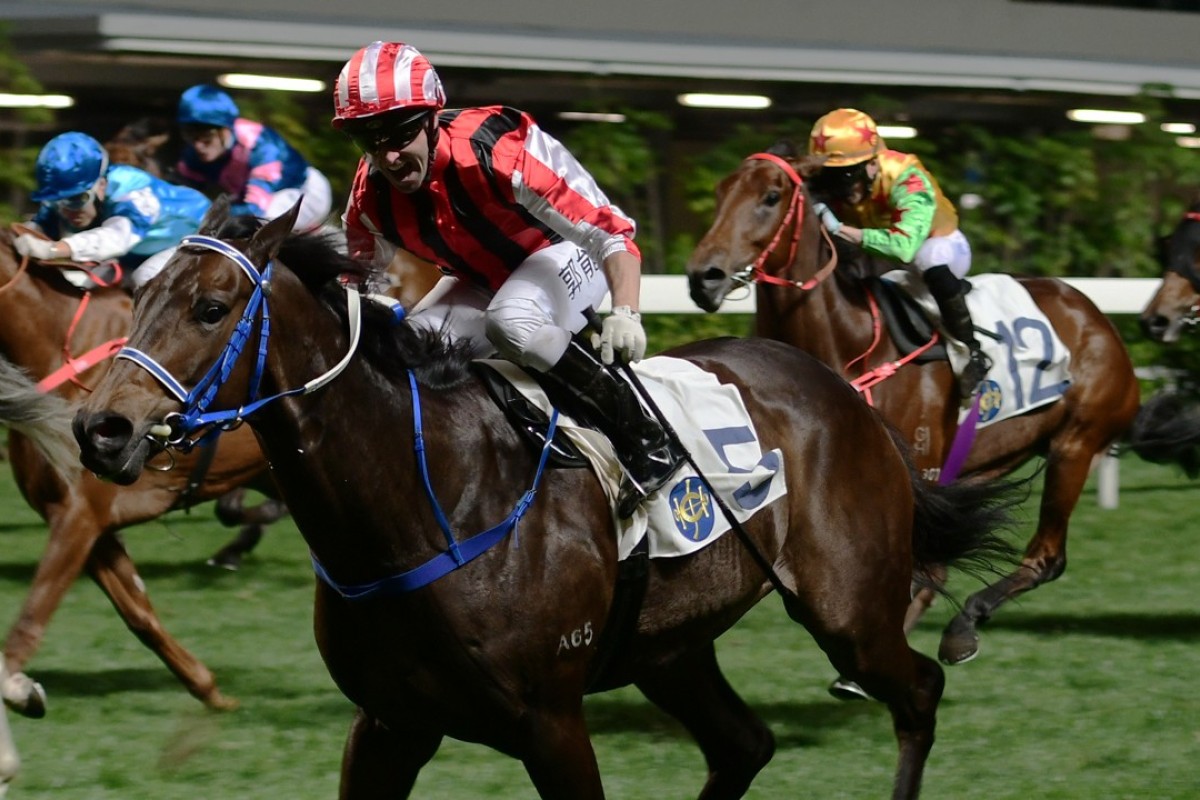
(845, 137)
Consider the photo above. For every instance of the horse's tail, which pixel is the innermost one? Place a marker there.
(1166, 430)
(45, 419)
(962, 524)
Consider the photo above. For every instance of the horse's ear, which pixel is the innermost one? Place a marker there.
(215, 217)
(269, 238)
(808, 166)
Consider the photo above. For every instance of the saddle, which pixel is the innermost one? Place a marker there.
(529, 420)
(907, 322)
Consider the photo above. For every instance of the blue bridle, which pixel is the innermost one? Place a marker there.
(195, 417)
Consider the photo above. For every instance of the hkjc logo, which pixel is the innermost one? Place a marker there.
(990, 400)
(692, 509)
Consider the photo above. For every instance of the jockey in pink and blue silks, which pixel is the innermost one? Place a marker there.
(252, 163)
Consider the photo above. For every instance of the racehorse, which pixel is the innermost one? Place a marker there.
(764, 219)
(47, 326)
(501, 649)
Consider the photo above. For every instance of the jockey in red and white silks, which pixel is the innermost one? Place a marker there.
(525, 237)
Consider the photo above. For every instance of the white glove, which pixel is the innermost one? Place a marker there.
(27, 244)
(622, 333)
(827, 217)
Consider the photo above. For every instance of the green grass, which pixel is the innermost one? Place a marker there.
(1086, 688)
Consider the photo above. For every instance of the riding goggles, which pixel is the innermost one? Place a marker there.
(840, 181)
(76, 202)
(376, 135)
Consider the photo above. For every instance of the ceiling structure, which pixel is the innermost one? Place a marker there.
(996, 62)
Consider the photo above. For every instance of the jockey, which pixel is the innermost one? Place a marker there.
(247, 160)
(525, 237)
(888, 202)
(96, 212)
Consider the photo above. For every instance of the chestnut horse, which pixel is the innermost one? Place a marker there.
(500, 650)
(44, 323)
(764, 219)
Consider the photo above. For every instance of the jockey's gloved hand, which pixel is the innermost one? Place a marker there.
(622, 333)
(28, 244)
(827, 217)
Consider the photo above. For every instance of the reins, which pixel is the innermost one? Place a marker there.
(794, 216)
(176, 427)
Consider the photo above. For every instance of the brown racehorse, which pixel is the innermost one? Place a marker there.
(826, 312)
(501, 650)
(138, 144)
(40, 324)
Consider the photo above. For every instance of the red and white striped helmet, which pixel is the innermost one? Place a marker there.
(386, 76)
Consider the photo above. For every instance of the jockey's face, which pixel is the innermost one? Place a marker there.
(402, 167)
(849, 184)
(209, 143)
(80, 212)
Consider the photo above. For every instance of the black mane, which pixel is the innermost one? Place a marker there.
(391, 347)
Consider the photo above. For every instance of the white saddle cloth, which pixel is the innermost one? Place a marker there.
(713, 424)
(1030, 364)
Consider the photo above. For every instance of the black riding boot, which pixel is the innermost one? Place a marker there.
(947, 290)
(611, 404)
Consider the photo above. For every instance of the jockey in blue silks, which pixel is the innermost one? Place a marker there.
(96, 212)
(247, 160)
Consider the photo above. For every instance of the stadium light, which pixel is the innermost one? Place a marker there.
(35, 100)
(1106, 117)
(239, 80)
(706, 100)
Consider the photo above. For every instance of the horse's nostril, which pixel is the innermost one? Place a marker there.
(714, 275)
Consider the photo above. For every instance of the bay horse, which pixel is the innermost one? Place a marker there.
(138, 144)
(766, 233)
(46, 326)
(500, 649)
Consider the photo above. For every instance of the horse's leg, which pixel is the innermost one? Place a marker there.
(735, 742)
(231, 511)
(923, 597)
(382, 763)
(72, 534)
(111, 567)
(880, 661)
(1045, 555)
(10, 762)
(557, 753)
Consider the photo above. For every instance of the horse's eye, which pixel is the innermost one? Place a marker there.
(210, 312)
(772, 198)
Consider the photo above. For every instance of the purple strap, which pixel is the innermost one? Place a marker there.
(960, 448)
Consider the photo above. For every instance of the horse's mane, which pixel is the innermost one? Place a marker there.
(389, 346)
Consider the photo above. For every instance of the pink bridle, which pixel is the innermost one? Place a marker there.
(795, 214)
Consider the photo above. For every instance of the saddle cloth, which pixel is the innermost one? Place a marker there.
(1030, 364)
(713, 424)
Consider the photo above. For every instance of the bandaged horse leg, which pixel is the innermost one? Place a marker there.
(10, 762)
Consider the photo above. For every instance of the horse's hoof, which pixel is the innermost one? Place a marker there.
(219, 702)
(227, 561)
(848, 690)
(24, 695)
(958, 648)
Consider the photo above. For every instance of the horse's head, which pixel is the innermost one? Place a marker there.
(755, 224)
(190, 324)
(1176, 304)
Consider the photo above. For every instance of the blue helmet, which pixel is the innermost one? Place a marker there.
(68, 165)
(206, 105)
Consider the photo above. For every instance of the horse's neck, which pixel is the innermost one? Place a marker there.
(823, 322)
